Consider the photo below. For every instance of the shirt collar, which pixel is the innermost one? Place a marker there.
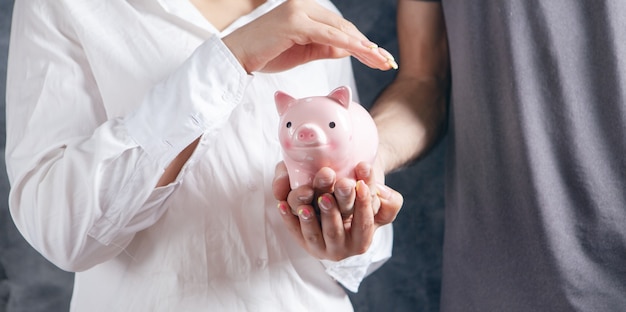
(185, 10)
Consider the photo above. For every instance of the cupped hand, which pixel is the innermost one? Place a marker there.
(347, 219)
(299, 31)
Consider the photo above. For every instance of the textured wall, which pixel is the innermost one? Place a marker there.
(408, 282)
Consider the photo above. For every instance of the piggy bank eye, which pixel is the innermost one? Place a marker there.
(331, 124)
(289, 124)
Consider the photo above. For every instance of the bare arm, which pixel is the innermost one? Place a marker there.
(411, 112)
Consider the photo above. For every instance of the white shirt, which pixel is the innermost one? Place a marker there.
(101, 96)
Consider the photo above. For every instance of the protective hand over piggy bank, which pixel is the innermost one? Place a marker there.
(324, 131)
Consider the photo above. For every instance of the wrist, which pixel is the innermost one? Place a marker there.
(239, 54)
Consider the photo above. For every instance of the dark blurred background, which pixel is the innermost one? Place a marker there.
(408, 282)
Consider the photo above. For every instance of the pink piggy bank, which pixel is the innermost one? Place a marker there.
(324, 131)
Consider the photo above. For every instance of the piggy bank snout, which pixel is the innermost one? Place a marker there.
(310, 135)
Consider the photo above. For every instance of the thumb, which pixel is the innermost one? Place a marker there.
(390, 203)
(280, 184)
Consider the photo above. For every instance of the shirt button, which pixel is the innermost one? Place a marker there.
(252, 187)
(261, 263)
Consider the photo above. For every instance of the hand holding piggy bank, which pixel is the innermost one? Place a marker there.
(324, 131)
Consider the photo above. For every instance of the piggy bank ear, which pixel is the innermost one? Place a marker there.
(283, 101)
(343, 95)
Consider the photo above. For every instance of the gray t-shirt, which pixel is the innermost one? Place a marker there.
(536, 164)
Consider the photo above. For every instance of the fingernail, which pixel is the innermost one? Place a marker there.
(304, 213)
(390, 59)
(343, 191)
(364, 172)
(283, 208)
(393, 64)
(306, 198)
(280, 173)
(325, 182)
(383, 191)
(324, 202)
(360, 185)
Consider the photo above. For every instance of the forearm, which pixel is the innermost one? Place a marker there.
(411, 113)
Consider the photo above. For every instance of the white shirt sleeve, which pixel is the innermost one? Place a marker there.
(188, 104)
(82, 184)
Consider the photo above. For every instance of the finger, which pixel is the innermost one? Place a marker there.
(303, 195)
(375, 201)
(324, 181)
(371, 55)
(324, 34)
(391, 61)
(332, 227)
(280, 184)
(345, 195)
(390, 204)
(363, 171)
(364, 51)
(311, 230)
(316, 51)
(292, 223)
(363, 226)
